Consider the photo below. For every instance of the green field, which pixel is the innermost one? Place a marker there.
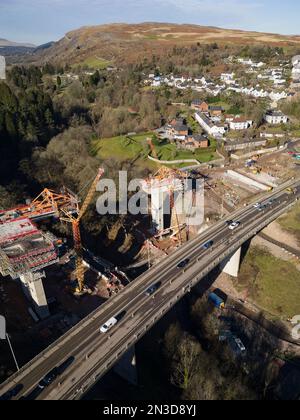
(291, 221)
(95, 63)
(271, 283)
(137, 149)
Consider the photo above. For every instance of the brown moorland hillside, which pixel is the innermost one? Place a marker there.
(116, 43)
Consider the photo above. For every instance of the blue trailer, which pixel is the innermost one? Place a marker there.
(216, 300)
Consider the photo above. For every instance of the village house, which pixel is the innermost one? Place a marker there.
(197, 105)
(214, 130)
(215, 111)
(296, 67)
(200, 106)
(240, 124)
(244, 144)
(228, 78)
(177, 129)
(276, 117)
(229, 118)
(266, 135)
(193, 142)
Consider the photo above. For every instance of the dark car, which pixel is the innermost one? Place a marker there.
(33, 394)
(17, 389)
(64, 366)
(12, 393)
(49, 378)
(152, 289)
(207, 245)
(6, 397)
(183, 263)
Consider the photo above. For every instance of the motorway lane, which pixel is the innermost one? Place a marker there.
(80, 342)
(116, 344)
(162, 297)
(134, 291)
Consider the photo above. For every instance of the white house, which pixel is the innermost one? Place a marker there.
(240, 124)
(214, 130)
(227, 77)
(296, 60)
(276, 117)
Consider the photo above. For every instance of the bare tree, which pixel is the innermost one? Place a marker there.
(186, 362)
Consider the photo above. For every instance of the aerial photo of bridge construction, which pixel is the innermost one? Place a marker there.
(149, 205)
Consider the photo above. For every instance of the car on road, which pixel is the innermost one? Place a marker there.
(183, 263)
(64, 366)
(229, 222)
(207, 245)
(234, 225)
(257, 205)
(108, 325)
(262, 207)
(12, 393)
(49, 378)
(152, 289)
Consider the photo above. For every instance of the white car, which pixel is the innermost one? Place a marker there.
(257, 205)
(234, 225)
(240, 345)
(108, 325)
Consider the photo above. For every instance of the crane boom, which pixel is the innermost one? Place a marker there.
(76, 230)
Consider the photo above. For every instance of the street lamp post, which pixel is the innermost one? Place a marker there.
(5, 336)
(12, 352)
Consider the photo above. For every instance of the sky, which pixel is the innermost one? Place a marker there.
(41, 21)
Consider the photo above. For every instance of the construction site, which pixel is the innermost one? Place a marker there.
(54, 283)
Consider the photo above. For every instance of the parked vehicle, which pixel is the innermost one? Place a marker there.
(216, 300)
(207, 245)
(262, 207)
(64, 366)
(12, 393)
(49, 378)
(234, 225)
(152, 289)
(108, 325)
(183, 263)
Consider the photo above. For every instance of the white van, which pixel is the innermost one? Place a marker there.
(108, 325)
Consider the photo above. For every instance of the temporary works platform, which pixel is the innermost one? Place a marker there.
(24, 252)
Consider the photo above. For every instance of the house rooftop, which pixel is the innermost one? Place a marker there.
(181, 127)
(275, 113)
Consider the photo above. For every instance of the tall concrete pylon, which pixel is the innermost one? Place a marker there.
(231, 265)
(34, 290)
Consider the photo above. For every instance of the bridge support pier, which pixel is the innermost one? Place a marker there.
(34, 290)
(126, 367)
(231, 265)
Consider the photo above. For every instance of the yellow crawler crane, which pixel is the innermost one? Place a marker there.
(75, 221)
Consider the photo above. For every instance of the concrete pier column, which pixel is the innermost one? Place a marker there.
(157, 209)
(34, 290)
(231, 265)
(126, 367)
